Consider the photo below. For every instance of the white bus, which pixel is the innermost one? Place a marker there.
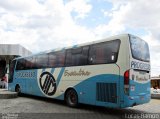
(113, 72)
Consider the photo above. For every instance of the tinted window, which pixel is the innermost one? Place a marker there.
(56, 59)
(26, 63)
(30, 63)
(139, 48)
(77, 56)
(52, 59)
(21, 64)
(103, 53)
(60, 59)
(69, 58)
(42, 61)
(85, 53)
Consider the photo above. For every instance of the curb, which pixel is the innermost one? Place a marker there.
(155, 96)
(5, 94)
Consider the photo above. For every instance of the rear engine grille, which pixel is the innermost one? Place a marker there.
(106, 92)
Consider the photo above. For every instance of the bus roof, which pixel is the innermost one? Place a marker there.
(78, 45)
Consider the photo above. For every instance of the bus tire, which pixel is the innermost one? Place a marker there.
(71, 98)
(18, 89)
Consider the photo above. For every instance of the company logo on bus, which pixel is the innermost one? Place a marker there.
(47, 83)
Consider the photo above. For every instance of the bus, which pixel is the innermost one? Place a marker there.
(113, 72)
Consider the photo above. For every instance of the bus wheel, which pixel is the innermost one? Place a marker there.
(72, 98)
(18, 89)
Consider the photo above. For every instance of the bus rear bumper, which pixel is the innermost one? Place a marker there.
(130, 101)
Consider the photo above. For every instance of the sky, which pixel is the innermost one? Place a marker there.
(41, 25)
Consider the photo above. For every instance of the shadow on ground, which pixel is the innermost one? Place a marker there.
(89, 108)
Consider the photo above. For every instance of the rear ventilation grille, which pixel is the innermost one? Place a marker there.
(106, 92)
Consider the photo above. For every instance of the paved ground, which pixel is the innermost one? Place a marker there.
(35, 107)
(152, 107)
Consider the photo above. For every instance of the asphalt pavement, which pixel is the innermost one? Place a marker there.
(26, 107)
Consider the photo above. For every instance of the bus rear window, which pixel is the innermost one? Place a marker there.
(139, 49)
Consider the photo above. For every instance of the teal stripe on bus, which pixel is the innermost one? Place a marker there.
(60, 76)
(52, 70)
(43, 70)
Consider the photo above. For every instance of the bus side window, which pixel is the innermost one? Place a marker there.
(21, 64)
(42, 60)
(27, 64)
(68, 58)
(92, 55)
(60, 58)
(52, 60)
(104, 53)
(85, 54)
(77, 56)
(56, 59)
(30, 63)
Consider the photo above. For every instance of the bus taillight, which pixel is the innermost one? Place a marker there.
(126, 78)
(126, 82)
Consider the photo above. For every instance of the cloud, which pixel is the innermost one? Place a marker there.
(42, 25)
(137, 14)
(48, 24)
(81, 7)
(154, 53)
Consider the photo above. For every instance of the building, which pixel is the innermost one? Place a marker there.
(155, 87)
(7, 53)
(155, 82)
